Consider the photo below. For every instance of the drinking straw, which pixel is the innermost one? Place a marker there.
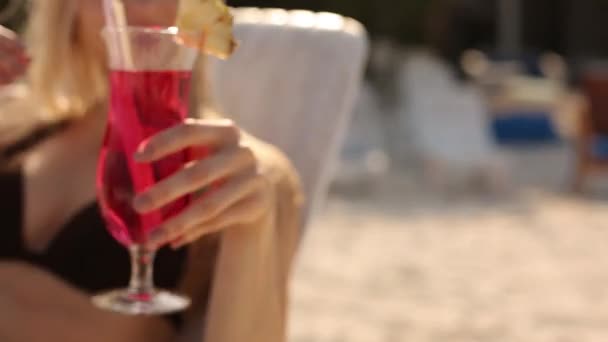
(114, 11)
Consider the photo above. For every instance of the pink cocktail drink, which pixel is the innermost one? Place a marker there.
(142, 104)
(150, 78)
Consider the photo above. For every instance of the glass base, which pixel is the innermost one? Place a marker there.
(127, 302)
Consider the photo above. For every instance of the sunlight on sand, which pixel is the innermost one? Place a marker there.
(395, 267)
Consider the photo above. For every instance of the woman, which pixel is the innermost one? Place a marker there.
(54, 251)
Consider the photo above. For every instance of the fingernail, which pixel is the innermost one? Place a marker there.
(156, 236)
(140, 203)
(139, 155)
(141, 151)
(177, 244)
(153, 245)
(24, 60)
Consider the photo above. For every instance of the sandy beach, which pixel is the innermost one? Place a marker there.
(399, 262)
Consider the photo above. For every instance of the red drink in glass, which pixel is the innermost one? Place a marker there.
(149, 92)
(142, 104)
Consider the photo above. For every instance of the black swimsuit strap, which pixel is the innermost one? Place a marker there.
(11, 203)
(38, 135)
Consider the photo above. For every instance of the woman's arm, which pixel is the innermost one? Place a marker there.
(238, 277)
(249, 292)
(35, 306)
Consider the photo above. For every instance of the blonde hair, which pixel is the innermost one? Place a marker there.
(64, 77)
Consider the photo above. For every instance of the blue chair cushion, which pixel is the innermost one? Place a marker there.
(524, 128)
(599, 147)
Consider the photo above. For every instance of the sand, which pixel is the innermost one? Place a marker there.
(395, 261)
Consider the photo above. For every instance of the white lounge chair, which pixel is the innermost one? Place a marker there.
(293, 82)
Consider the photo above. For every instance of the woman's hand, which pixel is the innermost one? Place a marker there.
(242, 197)
(13, 59)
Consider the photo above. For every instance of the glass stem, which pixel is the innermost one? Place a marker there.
(142, 271)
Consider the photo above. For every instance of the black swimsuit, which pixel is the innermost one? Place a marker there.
(83, 254)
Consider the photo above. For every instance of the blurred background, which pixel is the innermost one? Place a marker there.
(469, 202)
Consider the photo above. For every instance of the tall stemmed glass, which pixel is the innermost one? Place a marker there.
(149, 92)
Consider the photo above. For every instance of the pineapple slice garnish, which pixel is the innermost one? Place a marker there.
(209, 25)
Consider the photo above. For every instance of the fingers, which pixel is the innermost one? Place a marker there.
(242, 196)
(7, 34)
(11, 68)
(9, 72)
(11, 46)
(13, 59)
(206, 209)
(194, 177)
(245, 211)
(216, 133)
